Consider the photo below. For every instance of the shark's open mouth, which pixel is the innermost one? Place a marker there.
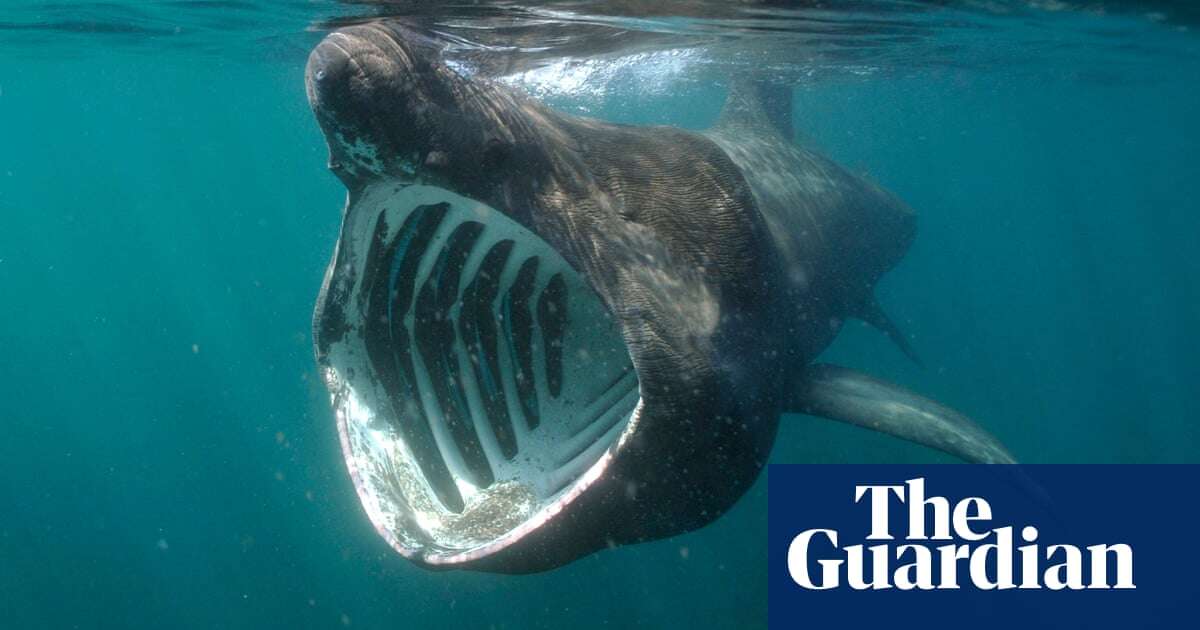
(478, 380)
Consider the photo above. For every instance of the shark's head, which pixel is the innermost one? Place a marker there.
(391, 107)
(534, 344)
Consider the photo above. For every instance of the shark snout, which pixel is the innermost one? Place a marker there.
(359, 83)
(361, 61)
(336, 71)
(327, 62)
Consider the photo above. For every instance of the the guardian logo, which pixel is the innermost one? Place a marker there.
(986, 558)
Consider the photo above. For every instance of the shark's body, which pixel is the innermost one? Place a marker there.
(547, 334)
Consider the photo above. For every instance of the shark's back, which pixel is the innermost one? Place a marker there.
(836, 233)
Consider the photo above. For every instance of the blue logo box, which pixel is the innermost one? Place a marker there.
(973, 546)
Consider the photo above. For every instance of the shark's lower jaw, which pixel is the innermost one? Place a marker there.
(479, 383)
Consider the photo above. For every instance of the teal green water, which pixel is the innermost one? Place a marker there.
(169, 458)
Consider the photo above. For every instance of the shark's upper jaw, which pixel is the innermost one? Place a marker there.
(479, 382)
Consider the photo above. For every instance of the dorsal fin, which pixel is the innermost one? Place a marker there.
(760, 104)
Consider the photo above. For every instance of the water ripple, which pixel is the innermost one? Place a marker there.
(792, 40)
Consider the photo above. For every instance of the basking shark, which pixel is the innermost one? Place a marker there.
(545, 335)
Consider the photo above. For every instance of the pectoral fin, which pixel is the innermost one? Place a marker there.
(842, 394)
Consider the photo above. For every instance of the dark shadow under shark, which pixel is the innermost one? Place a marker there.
(545, 335)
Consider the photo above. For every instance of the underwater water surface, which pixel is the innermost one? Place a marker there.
(169, 456)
